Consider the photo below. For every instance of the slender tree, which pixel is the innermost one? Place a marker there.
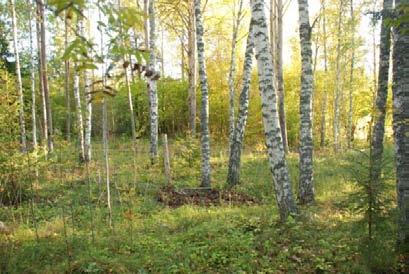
(306, 183)
(191, 56)
(378, 131)
(401, 118)
(323, 123)
(88, 106)
(44, 76)
(153, 94)
(237, 17)
(233, 175)
(338, 84)
(274, 143)
(204, 115)
(78, 111)
(67, 81)
(351, 78)
(23, 137)
(277, 41)
(32, 78)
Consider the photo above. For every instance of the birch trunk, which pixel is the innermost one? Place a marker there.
(278, 62)
(79, 118)
(401, 123)
(44, 76)
(306, 182)
(145, 23)
(233, 176)
(191, 56)
(323, 119)
(274, 143)
(337, 95)
(204, 115)
(382, 94)
(32, 80)
(40, 82)
(88, 109)
(67, 85)
(23, 138)
(232, 70)
(153, 95)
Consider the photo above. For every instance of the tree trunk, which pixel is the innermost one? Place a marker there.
(351, 79)
(153, 95)
(23, 138)
(166, 160)
(33, 81)
(382, 94)
(323, 119)
(401, 122)
(274, 143)
(233, 175)
(145, 23)
(204, 115)
(306, 182)
(67, 85)
(191, 56)
(182, 65)
(43, 57)
(79, 118)
(88, 109)
(232, 71)
(278, 62)
(338, 87)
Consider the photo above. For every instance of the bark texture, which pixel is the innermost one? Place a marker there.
(233, 175)
(79, 117)
(232, 71)
(67, 85)
(33, 81)
(153, 94)
(401, 123)
(306, 183)
(204, 114)
(381, 95)
(274, 143)
(191, 56)
(22, 123)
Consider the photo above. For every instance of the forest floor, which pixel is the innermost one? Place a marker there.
(62, 223)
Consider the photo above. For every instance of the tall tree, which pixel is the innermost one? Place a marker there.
(323, 119)
(32, 78)
(233, 175)
(153, 94)
(382, 93)
(191, 56)
(78, 111)
(204, 115)
(274, 143)
(88, 107)
(401, 119)
(23, 137)
(351, 78)
(276, 30)
(237, 17)
(306, 183)
(67, 81)
(44, 77)
(338, 84)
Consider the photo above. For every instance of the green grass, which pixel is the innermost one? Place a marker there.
(74, 235)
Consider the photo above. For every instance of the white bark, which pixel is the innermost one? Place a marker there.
(274, 143)
(23, 138)
(32, 79)
(79, 118)
(204, 113)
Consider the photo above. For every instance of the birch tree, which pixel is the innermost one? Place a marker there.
(32, 79)
(381, 94)
(233, 175)
(351, 79)
(67, 82)
(88, 108)
(153, 94)
(401, 120)
(204, 115)
(306, 184)
(237, 17)
(274, 143)
(79, 117)
(277, 9)
(48, 121)
(191, 56)
(23, 137)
